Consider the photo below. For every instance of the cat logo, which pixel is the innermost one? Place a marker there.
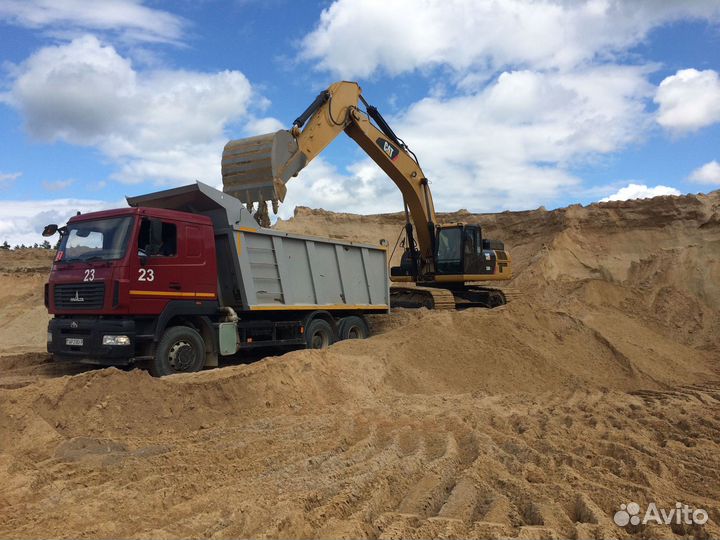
(389, 149)
(74, 324)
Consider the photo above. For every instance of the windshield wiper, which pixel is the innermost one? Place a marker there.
(84, 259)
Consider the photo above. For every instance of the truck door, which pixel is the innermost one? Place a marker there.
(198, 252)
(156, 273)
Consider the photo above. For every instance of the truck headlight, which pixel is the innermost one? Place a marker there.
(49, 337)
(116, 340)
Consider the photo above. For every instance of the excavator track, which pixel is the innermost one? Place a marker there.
(511, 293)
(417, 296)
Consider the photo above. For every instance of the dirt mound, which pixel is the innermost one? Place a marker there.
(534, 420)
(652, 262)
(26, 261)
(319, 444)
(23, 317)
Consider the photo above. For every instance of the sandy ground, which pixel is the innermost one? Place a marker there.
(597, 387)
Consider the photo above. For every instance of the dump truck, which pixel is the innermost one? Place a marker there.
(443, 266)
(185, 276)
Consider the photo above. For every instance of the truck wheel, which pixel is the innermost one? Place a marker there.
(353, 327)
(181, 350)
(319, 334)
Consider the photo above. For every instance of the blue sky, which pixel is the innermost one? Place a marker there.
(508, 105)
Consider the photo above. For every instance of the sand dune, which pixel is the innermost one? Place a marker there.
(598, 386)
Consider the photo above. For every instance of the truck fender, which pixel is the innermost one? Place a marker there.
(199, 315)
(321, 314)
(182, 308)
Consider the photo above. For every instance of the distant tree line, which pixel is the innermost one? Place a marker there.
(45, 245)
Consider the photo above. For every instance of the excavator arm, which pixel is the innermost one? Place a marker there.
(255, 170)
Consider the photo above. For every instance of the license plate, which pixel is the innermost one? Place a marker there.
(75, 342)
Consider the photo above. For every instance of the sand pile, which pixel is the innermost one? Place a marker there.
(534, 420)
(335, 444)
(23, 317)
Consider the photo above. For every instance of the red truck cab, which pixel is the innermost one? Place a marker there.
(121, 275)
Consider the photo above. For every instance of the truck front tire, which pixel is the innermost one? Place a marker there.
(319, 334)
(181, 350)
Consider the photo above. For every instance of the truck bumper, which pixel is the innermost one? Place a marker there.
(81, 340)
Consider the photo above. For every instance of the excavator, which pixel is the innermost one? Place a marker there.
(443, 266)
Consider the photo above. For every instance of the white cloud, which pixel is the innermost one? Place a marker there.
(164, 126)
(362, 189)
(520, 91)
(260, 126)
(707, 174)
(640, 191)
(128, 18)
(509, 146)
(405, 35)
(689, 100)
(22, 222)
(97, 185)
(76, 92)
(57, 185)
(8, 178)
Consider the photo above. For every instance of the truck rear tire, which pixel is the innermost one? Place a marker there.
(319, 334)
(181, 350)
(353, 327)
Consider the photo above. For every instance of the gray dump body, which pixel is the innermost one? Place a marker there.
(265, 270)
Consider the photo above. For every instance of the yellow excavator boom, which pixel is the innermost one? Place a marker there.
(441, 276)
(255, 170)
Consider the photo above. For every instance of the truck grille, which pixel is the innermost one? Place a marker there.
(79, 296)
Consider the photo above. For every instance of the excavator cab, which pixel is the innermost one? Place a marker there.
(454, 249)
(459, 250)
(461, 254)
(450, 248)
(449, 258)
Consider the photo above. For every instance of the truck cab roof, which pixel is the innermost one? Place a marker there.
(158, 213)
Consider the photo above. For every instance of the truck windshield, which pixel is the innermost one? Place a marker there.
(102, 239)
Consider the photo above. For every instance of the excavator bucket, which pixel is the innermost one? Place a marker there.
(256, 169)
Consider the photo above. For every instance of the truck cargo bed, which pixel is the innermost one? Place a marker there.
(261, 269)
(296, 272)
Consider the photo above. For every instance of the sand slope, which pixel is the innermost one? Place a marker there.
(23, 317)
(536, 420)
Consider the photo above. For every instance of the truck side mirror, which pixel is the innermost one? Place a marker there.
(49, 230)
